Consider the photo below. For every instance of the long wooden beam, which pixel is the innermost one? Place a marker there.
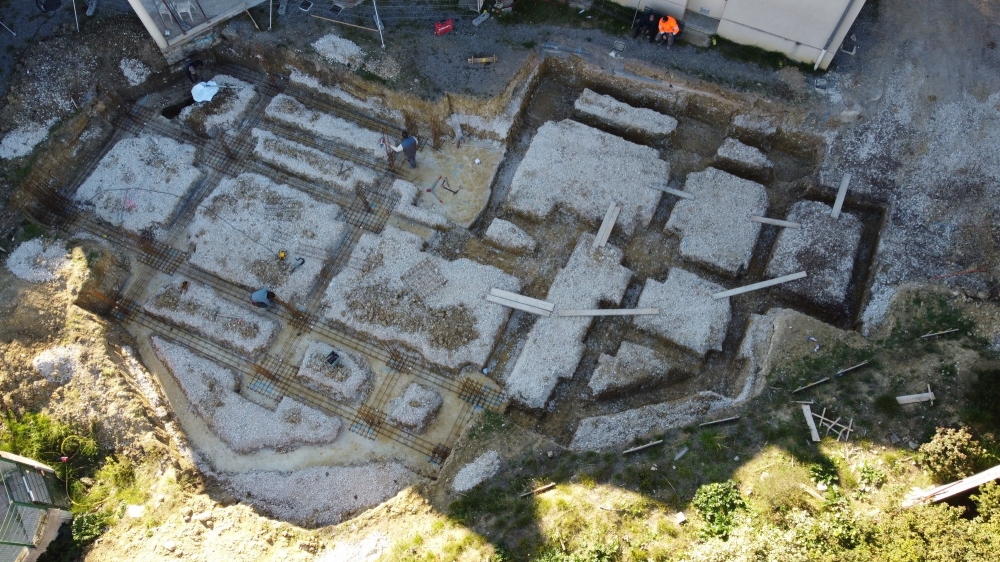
(775, 222)
(676, 192)
(517, 305)
(610, 312)
(760, 285)
(807, 412)
(841, 194)
(607, 225)
(544, 305)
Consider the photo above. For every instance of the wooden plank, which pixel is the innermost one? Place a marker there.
(810, 385)
(842, 371)
(841, 194)
(675, 192)
(610, 312)
(914, 398)
(931, 335)
(607, 225)
(544, 305)
(517, 305)
(760, 285)
(723, 420)
(775, 222)
(641, 447)
(539, 490)
(807, 412)
(812, 492)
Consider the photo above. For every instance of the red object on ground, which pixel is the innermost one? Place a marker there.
(442, 27)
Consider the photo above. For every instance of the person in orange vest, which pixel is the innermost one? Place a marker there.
(668, 30)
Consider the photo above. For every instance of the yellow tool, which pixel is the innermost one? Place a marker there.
(483, 60)
(282, 254)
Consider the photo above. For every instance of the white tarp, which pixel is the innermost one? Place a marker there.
(204, 91)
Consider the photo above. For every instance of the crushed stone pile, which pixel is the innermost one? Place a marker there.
(287, 109)
(319, 495)
(407, 207)
(59, 364)
(824, 248)
(240, 228)
(715, 227)
(224, 110)
(349, 380)
(200, 308)
(586, 170)
(22, 140)
(336, 49)
(633, 367)
(37, 260)
(415, 408)
(134, 71)
(689, 316)
(243, 425)
(601, 432)
(477, 471)
(438, 310)
(619, 115)
(555, 344)
(753, 129)
(372, 105)
(309, 163)
(743, 160)
(508, 235)
(139, 182)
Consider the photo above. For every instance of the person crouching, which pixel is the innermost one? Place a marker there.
(668, 30)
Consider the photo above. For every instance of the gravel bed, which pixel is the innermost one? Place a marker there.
(59, 364)
(755, 130)
(507, 235)
(348, 381)
(715, 227)
(139, 182)
(335, 48)
(240, 228)
(743, 160)
(585, 170)
(689, 316)
(634, 366)
(824, 247)
(199, 307)
(555, 344)
(415, 408)
(319, 495)
(244, 426)
(310, 163)
(38, 260)
(287, 109)
(623, 116)
(371, 105)
(452, 326)
(22, 140)
(134, 71)
(474, 473)
(407, 207)
(616, 430)
(224, 110)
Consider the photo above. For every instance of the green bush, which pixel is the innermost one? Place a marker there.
(988, 502)
(872, 477)
(717, 504)
(984, 395)
(824, 472)
(951, 454)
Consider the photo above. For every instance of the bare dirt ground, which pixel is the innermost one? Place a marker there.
(913, 116)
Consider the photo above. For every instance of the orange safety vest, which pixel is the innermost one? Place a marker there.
(669, 25)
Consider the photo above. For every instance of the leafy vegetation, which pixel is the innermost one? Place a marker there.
(952, 454)
(717, 504)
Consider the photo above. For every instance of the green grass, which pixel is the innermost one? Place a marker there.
(758, 56)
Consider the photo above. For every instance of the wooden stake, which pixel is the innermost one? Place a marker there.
(813, 432)
(517, 305)
(610, 312)
(723, 420)
(914, 398)
(343, 23)
(812, 492)
(251, 19)
(539, 490)
(675, 192)
(760, 285)
(641, 447)
(810, 385)
(607, 225)
(544, 305)
(931, 335)
(775, 222)
(841, 194)
(841, 372)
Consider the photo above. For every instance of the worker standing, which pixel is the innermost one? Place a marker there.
(668, 30)
(408, 146)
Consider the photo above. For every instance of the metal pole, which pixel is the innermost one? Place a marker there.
(833, 34)
(637, 2)
(8, 29)
(270, 13)
(75, 17)
(378, 24)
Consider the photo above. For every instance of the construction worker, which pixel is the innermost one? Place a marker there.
(668, 30)
(648, 26)
(262, 298)
(408, 146)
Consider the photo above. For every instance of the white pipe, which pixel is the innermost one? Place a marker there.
(820, 59)
(151, 26)
(75, 17)
(833, 33)
(378, 24)
(270, 13)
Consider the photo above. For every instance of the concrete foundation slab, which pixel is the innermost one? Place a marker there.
(555, 344)
(509, 236)
(715, 227)
(415, 408)
(309, 163)
(752, 129)
(633, 367)
(348, 381)
(623, 116)
(824, 246)
(689, 316)
(744, 161)
(585, 170)
(224, 111)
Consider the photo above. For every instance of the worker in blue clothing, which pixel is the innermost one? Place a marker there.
(262, 298)
(408, 146)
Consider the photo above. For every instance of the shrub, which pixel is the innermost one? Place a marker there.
(984, 395)
(951, 454)
(988, 502)
(717, 504)
(824, 472)
(872, 477)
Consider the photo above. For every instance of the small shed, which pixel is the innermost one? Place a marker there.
(31, 496)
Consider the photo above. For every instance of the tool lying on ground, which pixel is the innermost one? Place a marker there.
(442, 27)
(483, 60)
(444, 185)
(433, 187)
